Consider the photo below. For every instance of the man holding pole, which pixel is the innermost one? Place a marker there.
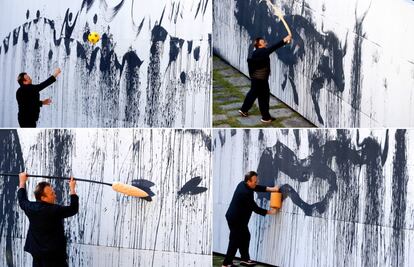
(46, 240)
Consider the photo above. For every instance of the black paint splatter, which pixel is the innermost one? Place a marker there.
(144, 185)
(191, 187)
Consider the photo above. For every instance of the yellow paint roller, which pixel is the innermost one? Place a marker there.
(279, 13)
(276, 200)
(116, 186)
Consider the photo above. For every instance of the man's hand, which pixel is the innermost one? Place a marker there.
(272, 189)
(57, 72)
(272, 211)
(287, 39)
(47, 101)
(23, 179)
(72, 185)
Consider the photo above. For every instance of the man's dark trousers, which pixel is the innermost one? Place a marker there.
(259, 89)
(239, 239)
(50, 262)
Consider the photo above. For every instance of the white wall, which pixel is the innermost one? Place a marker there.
(373, 81)
(154, 70)
(358, 200)
(111, 229)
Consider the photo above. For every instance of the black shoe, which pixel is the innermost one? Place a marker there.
(248, 263)
(243, 114)
(268, 120)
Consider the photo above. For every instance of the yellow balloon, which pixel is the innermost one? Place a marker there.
(93, 37)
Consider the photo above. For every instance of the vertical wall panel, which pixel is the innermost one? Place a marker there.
(150, 69)
(349, 196)
(174, 229)
(347, 65)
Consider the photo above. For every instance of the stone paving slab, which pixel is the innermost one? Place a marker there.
(285, 116)
(297, 123)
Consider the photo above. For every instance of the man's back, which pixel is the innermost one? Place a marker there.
(242, 204)
(46, 235)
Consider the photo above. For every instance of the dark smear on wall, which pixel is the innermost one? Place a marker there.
(222, 136)
(87, 3)
(16, 35)
(197, 53)
(205, 137)
(36, 46)
(27, 14)
(11, 161)
(233, 132)
(175, 47)
(191, 187)
(95, 18)
(158, 37)
(356, 75)
(60, 145)
(50, 55)
(189, 46)
(255, 18)
(144, 185)
(132, 63)
(116, 9)
(183, 77)
(297, 136)
(6, 43)
(399, 198)
(317, 165)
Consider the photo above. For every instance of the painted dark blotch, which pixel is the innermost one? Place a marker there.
(95, 18)
(158, 37)
(50, 55)
(280, 158)
(183, 77)
(27, 14)
(197, 53)
(189, 47)
(16, 35)
(36, 46)
(399, 198)
(36, 20)
(192, 188)
(131, 63)
(175, 47)
(6, 43)
(233, 132)
(144, 185)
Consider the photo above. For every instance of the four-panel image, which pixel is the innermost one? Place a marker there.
(206, 133)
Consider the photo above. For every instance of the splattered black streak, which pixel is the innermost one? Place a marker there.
(317, 165)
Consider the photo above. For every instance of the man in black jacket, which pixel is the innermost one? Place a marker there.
(259, 71)
(238, 215)
(28, 98)
(46, 239)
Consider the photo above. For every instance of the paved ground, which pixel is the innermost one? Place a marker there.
(229, 89)
(218, 260)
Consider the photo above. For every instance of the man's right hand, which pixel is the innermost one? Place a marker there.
(57, 72)
(287, 39)
(272, 211)
(23, 179)
(72, 185)
(47, 101)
